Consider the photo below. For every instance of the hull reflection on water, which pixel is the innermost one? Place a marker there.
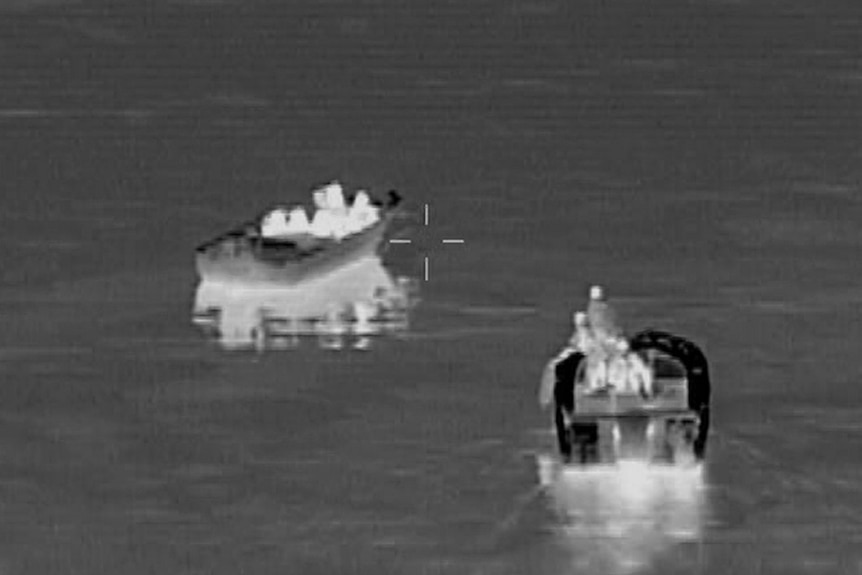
(343, 309)
(622, 518)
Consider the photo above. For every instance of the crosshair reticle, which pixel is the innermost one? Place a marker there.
(445, 241)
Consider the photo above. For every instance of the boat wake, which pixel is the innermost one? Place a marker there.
(343, 309)
(623, 518)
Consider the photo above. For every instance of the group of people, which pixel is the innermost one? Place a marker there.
(333, 218)
(610, 362)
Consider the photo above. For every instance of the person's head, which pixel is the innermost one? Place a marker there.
(361, 200)
(320, 198)
(277, 213)
(597, 293)
(622, 345)
(334, 195)
(298, 215)
(580, 319)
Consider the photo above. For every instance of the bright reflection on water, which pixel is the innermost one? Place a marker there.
(621, 518)
(342, 309)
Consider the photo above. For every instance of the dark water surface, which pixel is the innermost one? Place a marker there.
(700, 159)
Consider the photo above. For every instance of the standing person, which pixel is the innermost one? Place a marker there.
(602, 317)
(548, 381)
(297, 221)
(581, 339)
(606, 335)
(578, 342)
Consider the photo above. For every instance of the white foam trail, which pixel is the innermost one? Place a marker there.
(626, 515)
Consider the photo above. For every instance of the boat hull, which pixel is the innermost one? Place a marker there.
(679, 408)
(241, 257)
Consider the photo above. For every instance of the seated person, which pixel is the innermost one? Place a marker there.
(323, 224)
(362, 213)
(281, 225)
(618, 367)
(330, 220)
(628, 373)
(335, 197)
(617, 370)
(640, 375)
(319, 197)
(598, 368)
(297, 222)
(274, 225)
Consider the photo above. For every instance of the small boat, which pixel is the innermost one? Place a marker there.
(243, 254)
(672, 424)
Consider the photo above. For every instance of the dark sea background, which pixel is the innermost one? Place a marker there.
(702, 160)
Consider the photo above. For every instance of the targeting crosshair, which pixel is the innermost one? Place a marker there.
(445, 241)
